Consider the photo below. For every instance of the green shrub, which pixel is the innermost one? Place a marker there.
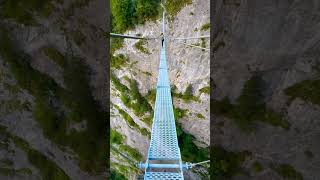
(226, 163)
(115, 43)
(186, 96)
(115, 175)
(151, 96)
(287, 171)
(249, 107)
(174, 6)
(132, 98)
(205, 90)
(189, 151)
(205, 27)
(307, 90)
(140, 46)
(119, 61)
(141, 106)
(203, 43)
(121, 15)
(131, 151)
(179, 113)
(131, 122)
(147, 73)
(118, 85)
(115, 137)
(200, 116)
(126, 13)
(146, 10)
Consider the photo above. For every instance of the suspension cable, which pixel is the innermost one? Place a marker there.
(131, 37)
(195, 46)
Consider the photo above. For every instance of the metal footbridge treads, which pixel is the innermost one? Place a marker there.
(164, 158)
(161, 175)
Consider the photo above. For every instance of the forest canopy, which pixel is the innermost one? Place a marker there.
(126, 13)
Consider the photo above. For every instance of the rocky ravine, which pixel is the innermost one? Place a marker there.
(72, 28)
(187, 66)
(279, 40)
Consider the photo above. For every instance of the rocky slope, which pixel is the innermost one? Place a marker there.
(41, 128)
(279, 42)
(187, 66)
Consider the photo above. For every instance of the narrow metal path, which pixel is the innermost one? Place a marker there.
(164, 159)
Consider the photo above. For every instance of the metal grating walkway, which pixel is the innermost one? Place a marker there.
(164, 176)
(164, 142)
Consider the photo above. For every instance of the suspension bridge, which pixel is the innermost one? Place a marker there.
(164, 160)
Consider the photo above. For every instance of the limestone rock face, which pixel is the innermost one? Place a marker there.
(17, 105)
(280, 41)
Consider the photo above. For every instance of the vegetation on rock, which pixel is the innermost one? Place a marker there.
(140, 46)
(90, 143)
(47, 168)
(187, 96)
(174, 6)
(249, 107)
(126, 13)
(308, 90)
(205, 90)
(225, 163)
(287, 171)
(205, 27)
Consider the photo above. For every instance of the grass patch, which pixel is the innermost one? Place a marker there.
(140, 46)
(131, 151)
(205, 27)
(205, 90)
(200, 116)
(115, 43)
(308, 90)
(287, 171)
(226, 163)
(119, 61)
(187, 96)
(132, 98)
(249, 107)
(179, 113)
(115, 137)
(173, 7)
(131, 122)
(115, 175)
